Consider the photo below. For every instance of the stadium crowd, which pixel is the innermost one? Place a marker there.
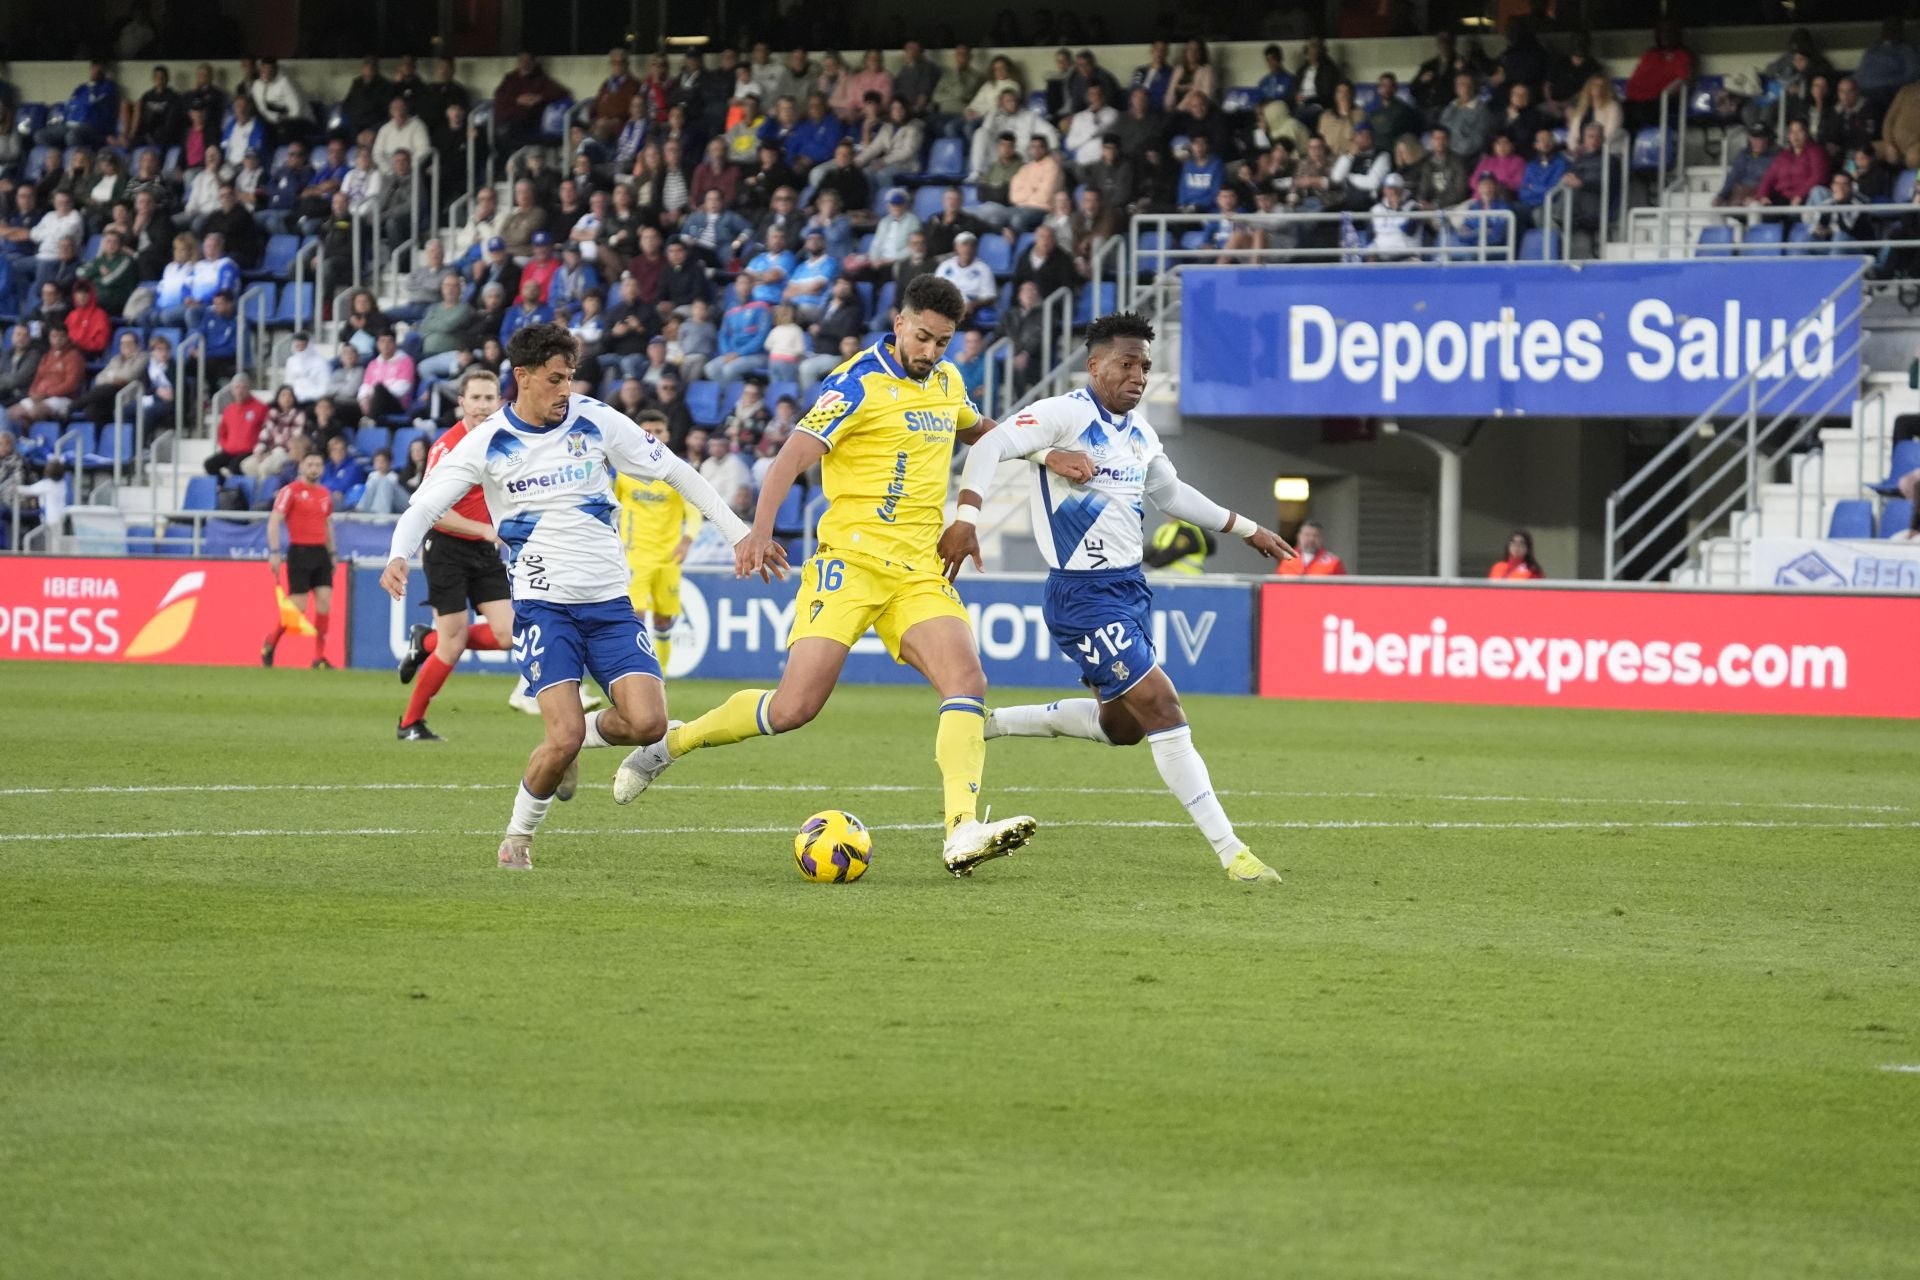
(722, 231)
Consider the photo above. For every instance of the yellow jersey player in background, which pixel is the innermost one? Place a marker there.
(883, 430)
(658, 527)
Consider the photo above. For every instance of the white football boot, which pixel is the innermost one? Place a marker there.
(641, 767)
(973, 843)
(516, 853)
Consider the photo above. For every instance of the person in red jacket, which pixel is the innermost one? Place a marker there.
(1519, 566)
(304, 509)
(1658, 68)
(1797, 168)
(58, 379)
(240, 424)
(88, 324)
(1312, 560)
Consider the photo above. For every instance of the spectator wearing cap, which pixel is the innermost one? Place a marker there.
(812, 277)
(520, 99)
(92, 113)
(540, 267)
(890, 235)
(1200, 177)
(1396, 236)
(743, 335)
(1009, 116)
(758, 187)
(496, 266)
(527, 309)
(1313, 559)
(967, 273)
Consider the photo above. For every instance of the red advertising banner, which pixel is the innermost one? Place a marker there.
(1523, 645)
(211, 612)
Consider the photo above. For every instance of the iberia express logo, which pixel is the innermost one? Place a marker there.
(171, 619)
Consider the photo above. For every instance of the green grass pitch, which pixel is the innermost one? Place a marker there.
(1545, 994)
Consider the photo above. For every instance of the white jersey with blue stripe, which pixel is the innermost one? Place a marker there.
(1096, 525)
(551, 489)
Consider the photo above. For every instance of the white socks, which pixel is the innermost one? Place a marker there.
(1185, 774)
(593, 738)
(529, 811)
(1072, 718)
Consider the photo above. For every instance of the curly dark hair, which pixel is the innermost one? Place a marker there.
(931, 293)
(533, 346)
(1118, 324)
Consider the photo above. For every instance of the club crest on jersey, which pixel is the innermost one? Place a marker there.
(1120, 671)
(576, 444)
(814, 610)
(946, 388)
(533, 671)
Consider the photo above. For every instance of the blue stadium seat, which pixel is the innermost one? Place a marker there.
(30, 118)
(403, 440)
(946, 159)
(790, 520)
(276, 263)
(883, 301)
(1193, 239)
(171, 334)
(1716, 242)
(1763, 240)
(84, 432)
(1700, 105)
(1800, 239)
(367, 439)
(865, 289)
(926, 200)
(1896, 517)
(553, 120)
(1240, 99)
(730, 396)
(1021, 245)
(1539, 246)
(200, 495)
(782, 388)
(294, 298)
(1646, 150)
(264, 491)
(1083, 303)
(177, 540)
(1852, 518)
(41, 435)
(997, 254)
(245, 485)
(703, 402)
(120, 436)
(1906, 457)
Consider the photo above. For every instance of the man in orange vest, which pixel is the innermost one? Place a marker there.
(1313, 560)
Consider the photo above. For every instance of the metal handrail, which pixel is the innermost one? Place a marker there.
(1056, 309)
(999, 350)
(368, 214)
(136, 392)
(1114, 247)
(263, 295)
(1619, 528)
(196, 342)
(318, 253)
(1673, 102)
(1689, 221)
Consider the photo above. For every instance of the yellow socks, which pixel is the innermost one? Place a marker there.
(663, 647)
(740, 717)
(960, 749)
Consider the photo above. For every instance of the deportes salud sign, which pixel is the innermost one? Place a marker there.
(1652, 339)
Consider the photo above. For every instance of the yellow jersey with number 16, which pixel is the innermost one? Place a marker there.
(889, 456)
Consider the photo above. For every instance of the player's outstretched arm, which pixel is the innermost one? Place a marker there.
(1184, 502)
(759, 550)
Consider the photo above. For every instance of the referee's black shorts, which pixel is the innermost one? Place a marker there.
(307, 568)
(462, 572)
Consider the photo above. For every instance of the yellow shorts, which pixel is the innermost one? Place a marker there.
(656, 588)
(841, 596)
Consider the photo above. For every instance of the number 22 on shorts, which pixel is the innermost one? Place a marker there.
(527, 643)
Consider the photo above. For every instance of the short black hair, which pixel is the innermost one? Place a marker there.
(931, 293)
(1118, 324)
(534, 345)
(650, 417)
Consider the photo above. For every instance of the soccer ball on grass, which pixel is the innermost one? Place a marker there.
(832, 847)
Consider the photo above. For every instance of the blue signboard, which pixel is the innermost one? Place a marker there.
(737, 630)
(1602, 339)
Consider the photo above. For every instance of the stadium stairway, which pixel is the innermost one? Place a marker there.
(1849, 460)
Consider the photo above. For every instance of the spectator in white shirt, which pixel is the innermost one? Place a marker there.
(1086, 128)
(363, 182)
(468, 241)
(1395, 235)
(277, 98)
(727, 473)
(203, 193)
(967, 273)
(62, 222)
(308, 372)
(402, 132)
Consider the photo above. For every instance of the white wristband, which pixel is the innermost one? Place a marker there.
(1242, 526)
(966, 513)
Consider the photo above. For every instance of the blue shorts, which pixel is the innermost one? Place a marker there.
(1103, 621)
(556, 643)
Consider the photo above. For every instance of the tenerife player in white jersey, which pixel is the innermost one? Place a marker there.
(1098, 605)
(546, 463)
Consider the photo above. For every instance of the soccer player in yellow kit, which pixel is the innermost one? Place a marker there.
(658, 527)
(883, 431)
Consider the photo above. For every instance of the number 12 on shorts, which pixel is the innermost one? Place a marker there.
(1113, 637)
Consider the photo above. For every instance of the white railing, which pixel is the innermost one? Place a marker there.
(1737, 452)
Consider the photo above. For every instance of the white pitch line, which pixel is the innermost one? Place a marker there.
(1904, 1068)
(788, 788)
(1301, 825)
